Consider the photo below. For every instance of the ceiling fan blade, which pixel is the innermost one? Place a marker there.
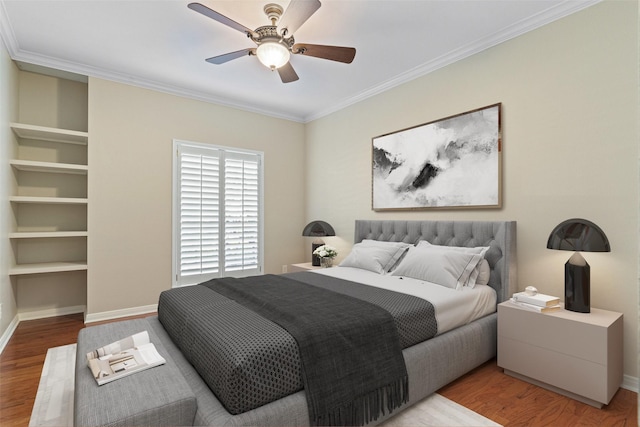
(221, 59)
(333, 53)
(297, 14)
(200, 8)
(287, 73)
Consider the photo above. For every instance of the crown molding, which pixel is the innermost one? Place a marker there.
(19, 55)
(76, 68)
(541, 19)
(548, 16)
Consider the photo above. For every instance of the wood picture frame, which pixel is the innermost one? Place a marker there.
(450, 163)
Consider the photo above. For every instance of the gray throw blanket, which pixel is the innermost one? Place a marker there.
(352, 364)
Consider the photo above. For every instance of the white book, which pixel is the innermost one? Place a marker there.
(541, 300)
(122, 358)
(537, 308)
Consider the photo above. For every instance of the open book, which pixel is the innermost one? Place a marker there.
(125, 357)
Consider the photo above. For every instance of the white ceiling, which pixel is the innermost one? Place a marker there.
(162, 45)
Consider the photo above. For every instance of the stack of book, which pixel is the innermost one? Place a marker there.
(539, 302)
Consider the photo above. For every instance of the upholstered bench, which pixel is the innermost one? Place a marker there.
(158, 396)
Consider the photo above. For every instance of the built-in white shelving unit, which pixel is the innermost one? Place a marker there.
(49, 201)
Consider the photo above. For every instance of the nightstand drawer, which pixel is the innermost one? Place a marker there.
(561, 331)
(575, 375)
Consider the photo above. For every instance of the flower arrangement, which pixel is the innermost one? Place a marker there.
(325, 251)
(326, 254)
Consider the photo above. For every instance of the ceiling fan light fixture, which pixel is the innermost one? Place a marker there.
(273, 54)
(275, 42)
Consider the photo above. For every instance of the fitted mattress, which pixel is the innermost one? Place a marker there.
(453, 308)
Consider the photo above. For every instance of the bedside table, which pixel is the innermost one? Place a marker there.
(578, 355)
(303, 266)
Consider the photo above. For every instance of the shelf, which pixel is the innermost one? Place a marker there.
(46, 234)
(49, 200)
(48, 167)
(47, 267)
(43, 133)
(46, 231)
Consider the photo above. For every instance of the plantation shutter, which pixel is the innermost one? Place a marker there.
(241, 213)
(218, 214)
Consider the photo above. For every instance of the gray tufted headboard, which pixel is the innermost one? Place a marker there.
(500, 236)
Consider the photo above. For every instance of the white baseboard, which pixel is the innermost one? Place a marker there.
(89, 318)
(8, 333)
(630, 383)
(53, 312)
(32, 315)
(116, 314)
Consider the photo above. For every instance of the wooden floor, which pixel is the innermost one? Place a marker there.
(486, 390)
(512, 402)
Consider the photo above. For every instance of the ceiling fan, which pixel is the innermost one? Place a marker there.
(275, 42)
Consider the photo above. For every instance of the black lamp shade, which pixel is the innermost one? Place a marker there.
(317, 229)
(578, 235)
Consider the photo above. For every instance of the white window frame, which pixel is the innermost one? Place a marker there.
(218, 150)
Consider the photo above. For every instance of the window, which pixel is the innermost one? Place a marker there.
(217, 213)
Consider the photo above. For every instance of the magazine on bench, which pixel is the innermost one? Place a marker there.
(125, 357)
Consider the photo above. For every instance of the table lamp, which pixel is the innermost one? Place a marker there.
(317, 229)
(578, 235)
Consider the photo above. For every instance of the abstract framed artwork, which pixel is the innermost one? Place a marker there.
(453, 162)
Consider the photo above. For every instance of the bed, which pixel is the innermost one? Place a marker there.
(454, 349)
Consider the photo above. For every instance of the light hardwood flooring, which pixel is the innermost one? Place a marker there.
(485, 390)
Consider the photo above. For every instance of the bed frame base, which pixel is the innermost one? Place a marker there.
(431, 364)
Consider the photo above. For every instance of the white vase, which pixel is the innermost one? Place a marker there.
(326, 262)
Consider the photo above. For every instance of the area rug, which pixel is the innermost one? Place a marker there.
(54, 401)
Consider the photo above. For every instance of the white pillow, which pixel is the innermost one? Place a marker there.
(397, 257)
(379, 257)
(484, 272)
(440, 265)
(482, 268)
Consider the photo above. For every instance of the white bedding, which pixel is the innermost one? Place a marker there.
(453, 307)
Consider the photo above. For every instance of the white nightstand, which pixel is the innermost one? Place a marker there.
(578, 355)
(303, 266)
